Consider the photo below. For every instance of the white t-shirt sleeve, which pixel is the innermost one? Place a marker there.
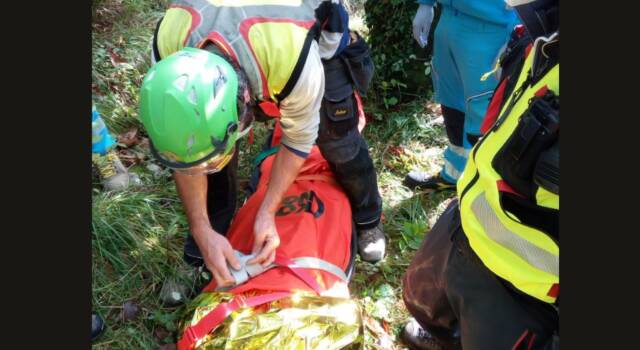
(300, 110)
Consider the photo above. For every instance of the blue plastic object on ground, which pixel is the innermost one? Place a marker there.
(101, 140)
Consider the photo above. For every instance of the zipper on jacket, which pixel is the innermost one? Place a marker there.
(514, 99)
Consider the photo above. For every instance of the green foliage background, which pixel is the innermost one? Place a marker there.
(403, 69)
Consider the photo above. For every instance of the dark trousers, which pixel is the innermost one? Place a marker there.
(339, 140)
(447, 288)
(347, 152)
(461, 142)
(454, 124)
(222, 189)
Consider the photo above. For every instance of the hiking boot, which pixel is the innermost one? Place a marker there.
(371, 244)
(420, 179)
(97, 326)
(417, 338)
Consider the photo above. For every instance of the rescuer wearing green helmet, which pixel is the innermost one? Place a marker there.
(217, 65)
(189, 106)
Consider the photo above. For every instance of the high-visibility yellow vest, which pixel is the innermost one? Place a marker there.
(524, 255)
(269, 39)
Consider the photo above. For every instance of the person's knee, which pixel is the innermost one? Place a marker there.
(352, 156)
(339, 150)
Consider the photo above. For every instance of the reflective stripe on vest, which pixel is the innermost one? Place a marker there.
(498, 232)
(526, 257)
(269, 38)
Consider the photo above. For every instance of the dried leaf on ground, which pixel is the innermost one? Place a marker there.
(434, 108)
(115, 58)
(396, 150)
(383, 339)
(129, 138)
(130, 158)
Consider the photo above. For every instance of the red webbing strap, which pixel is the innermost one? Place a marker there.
(214, 318)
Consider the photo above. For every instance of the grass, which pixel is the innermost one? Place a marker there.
(137, 235)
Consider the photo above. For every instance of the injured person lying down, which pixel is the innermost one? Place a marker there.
(302, 300)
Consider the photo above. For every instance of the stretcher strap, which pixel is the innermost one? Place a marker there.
(308, 262)
(320, 264)
(302, 274)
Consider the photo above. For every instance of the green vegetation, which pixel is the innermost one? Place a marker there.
(137, 235)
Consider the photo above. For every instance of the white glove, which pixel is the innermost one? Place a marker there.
(422, 24)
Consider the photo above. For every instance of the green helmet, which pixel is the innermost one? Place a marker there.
(188, 104)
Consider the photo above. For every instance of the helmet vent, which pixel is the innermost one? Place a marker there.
(222, 79)
(181, 82)
(190, 142)
(192, 97)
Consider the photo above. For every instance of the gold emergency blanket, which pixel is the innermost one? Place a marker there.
(302, 321)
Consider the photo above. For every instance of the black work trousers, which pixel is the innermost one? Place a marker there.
(447, 287)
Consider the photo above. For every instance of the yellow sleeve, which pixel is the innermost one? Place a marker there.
(173, 31)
